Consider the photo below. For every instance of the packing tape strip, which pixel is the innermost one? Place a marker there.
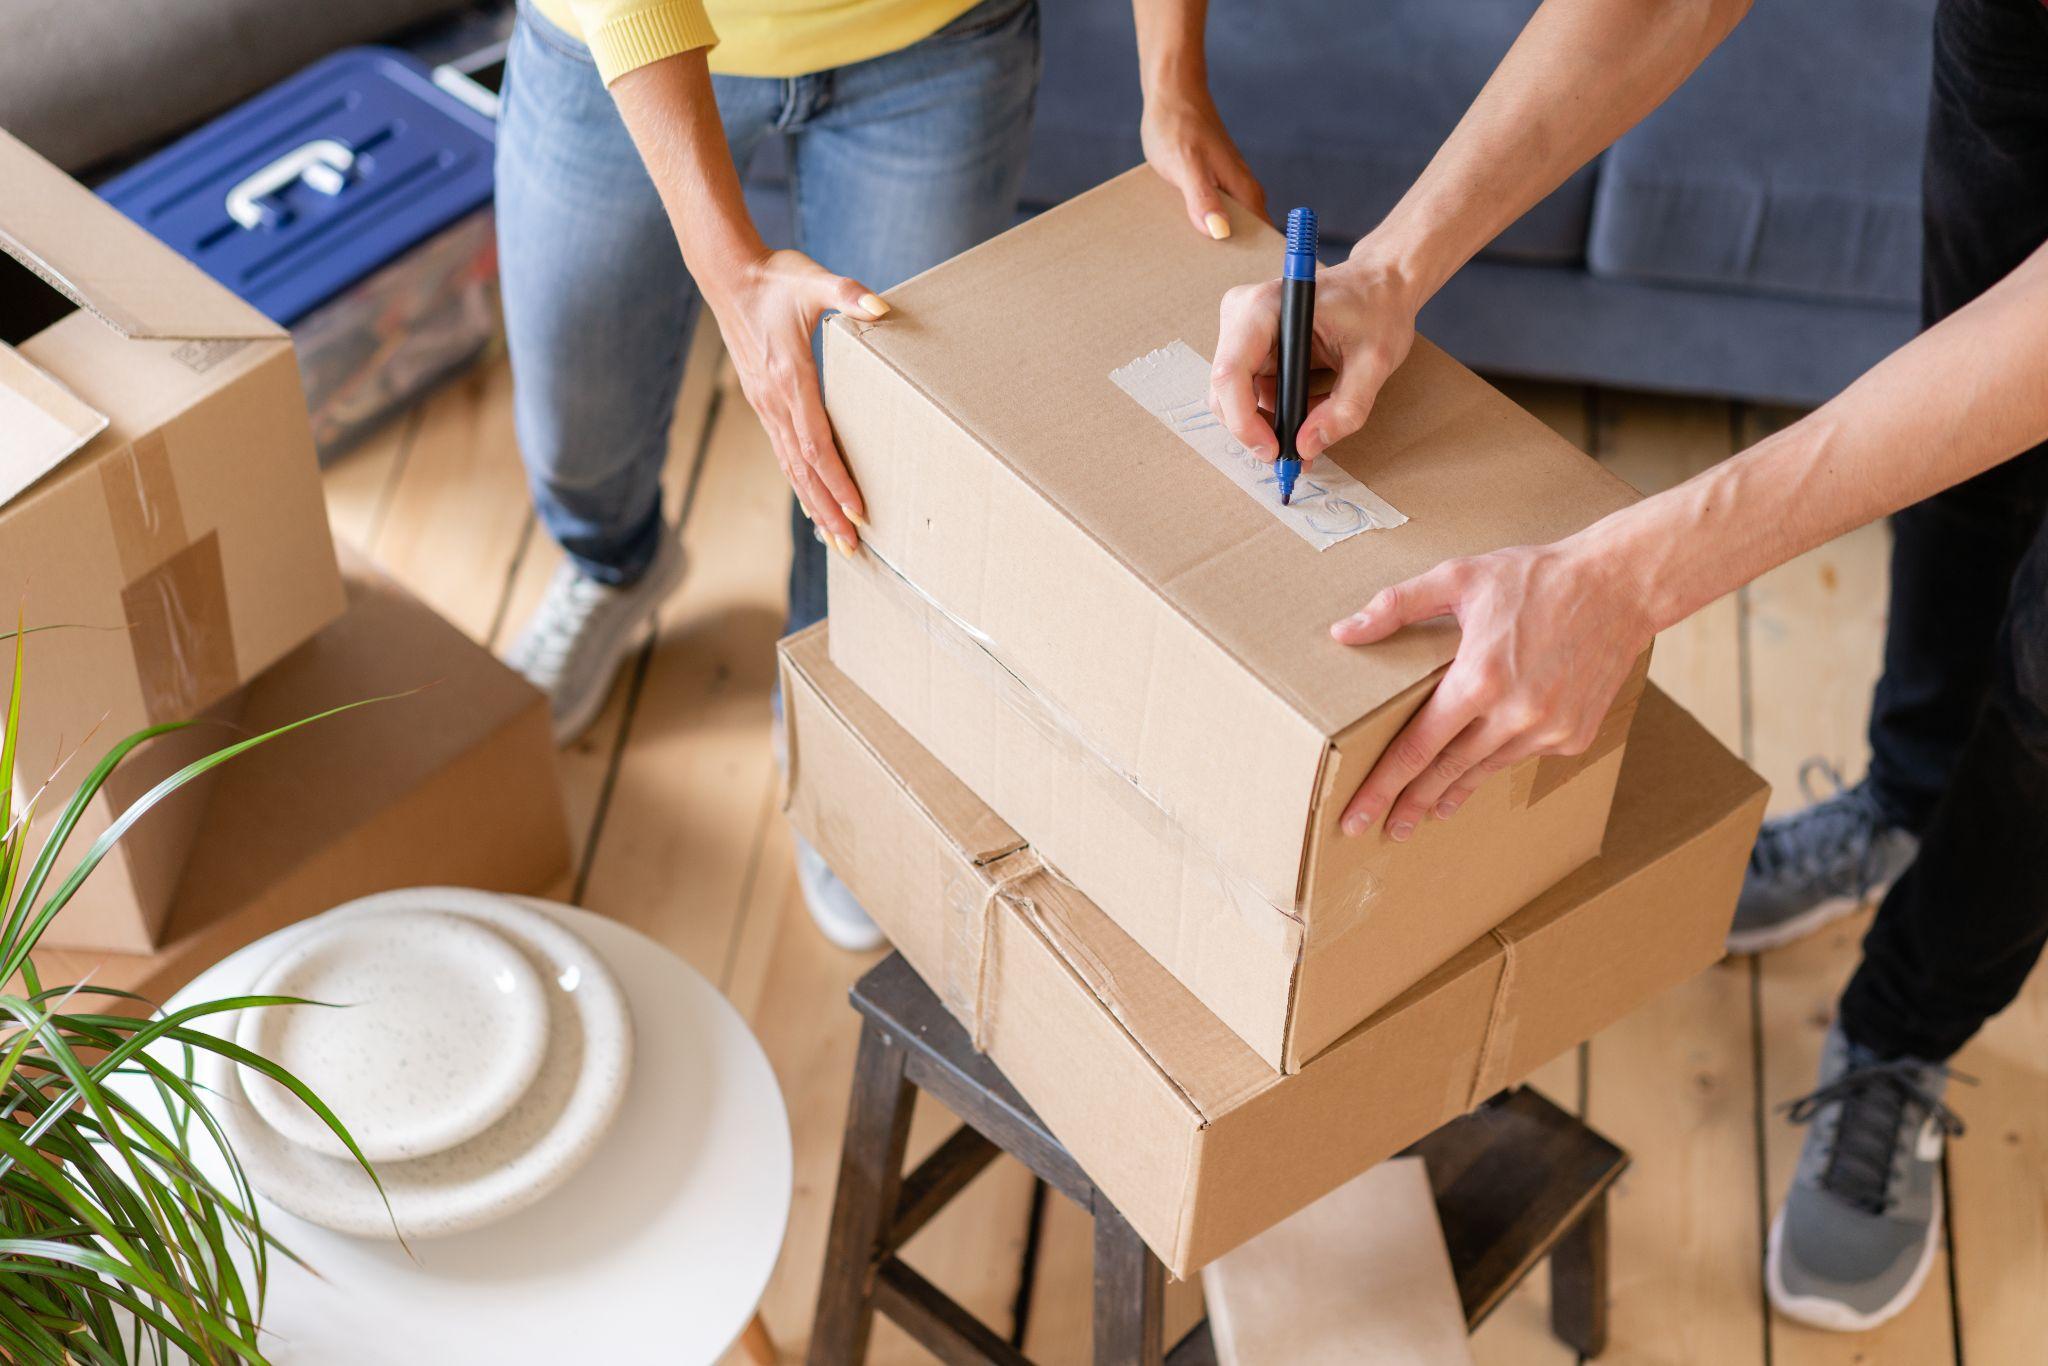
(970, 970)
(1172, 384)
(174, 596)
(1497, 1042)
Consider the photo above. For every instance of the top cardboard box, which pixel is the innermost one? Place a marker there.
(157, 478)
(1164, 616)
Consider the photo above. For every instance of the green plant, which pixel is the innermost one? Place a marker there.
(114, 1246)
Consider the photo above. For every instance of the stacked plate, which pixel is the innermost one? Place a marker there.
(474, 1049)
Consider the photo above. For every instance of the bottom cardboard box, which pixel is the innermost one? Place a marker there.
(454, 782)
(1200, 1143)
(123, 905)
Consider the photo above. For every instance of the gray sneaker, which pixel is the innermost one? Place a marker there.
(574, 642)
(1818, 865)
(1853, 1243)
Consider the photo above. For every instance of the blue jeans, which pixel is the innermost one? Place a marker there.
(896, 164)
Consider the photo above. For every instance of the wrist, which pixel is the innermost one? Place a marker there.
(1383, 277)
(1644, 556)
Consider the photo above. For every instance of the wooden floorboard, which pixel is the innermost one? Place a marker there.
(1674, 1083)
(676, 801)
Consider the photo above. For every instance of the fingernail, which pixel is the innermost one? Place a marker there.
(1446, 810)
(853, 514)
(875, 305)
(1400, 830)
(845, 545)
(1219, 226)
(1355, 825)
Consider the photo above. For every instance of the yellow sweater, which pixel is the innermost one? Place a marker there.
(752, 37)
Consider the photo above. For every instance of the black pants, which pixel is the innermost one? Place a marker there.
(1959, 730)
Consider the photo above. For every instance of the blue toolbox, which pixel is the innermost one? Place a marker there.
(352, 204)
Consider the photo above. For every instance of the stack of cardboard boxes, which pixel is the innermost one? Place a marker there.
(1078, 738)
(160, 503)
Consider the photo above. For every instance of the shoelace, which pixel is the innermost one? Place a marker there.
(1875, 1098)
(567, 611)
(1846, 820)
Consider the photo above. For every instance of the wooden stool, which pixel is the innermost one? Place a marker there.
(1516, 1181)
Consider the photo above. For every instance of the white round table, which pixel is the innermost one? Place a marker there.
(658, 1250)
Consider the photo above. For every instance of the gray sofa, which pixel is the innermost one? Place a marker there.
(1758, 236)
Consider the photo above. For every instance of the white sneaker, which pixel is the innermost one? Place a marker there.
(573, 644)
(838, 916)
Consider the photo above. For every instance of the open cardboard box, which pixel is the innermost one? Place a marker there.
(1162, 617)
(1200, 1143)
(158, 491)
(452, 781)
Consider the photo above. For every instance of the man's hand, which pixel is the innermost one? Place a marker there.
(767, 311)
(1549, 633)
(1364, 326)
(1185, 142)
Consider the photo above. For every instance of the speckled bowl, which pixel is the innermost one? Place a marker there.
(431, 1027)
(538, 1144)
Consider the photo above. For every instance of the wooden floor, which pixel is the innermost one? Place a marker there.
(674, 800)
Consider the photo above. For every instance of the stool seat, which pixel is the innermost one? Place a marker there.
(1516, 1181)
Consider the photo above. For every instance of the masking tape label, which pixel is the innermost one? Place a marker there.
(1329, 505)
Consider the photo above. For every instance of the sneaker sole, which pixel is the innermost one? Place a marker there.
(1832, 1315)
(1816, 917)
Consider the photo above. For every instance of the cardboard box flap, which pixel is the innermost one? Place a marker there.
(1198, 1055)
(42, 423)
(100, 260)
(986, 338)
(980, 835)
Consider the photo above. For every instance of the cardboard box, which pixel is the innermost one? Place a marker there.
(1362, 1275)
(1287, 986)
(123, 904)
(1200, 1143)
(1164, 616)
(452, 783)
(157, 487)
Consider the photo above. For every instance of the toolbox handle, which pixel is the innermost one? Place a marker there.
(322, 163)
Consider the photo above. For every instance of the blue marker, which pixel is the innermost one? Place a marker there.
(1297, 320)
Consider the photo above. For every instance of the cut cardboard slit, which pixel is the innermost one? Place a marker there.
(1172, 384)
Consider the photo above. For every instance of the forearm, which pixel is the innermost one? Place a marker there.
(1964, 396)
(1582, 73)
(669, 109)
(1172, 59)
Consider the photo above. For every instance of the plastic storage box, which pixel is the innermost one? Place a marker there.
(352, 204)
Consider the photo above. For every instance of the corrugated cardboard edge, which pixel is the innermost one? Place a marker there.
(91, 253)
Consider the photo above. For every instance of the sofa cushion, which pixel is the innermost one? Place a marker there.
(1789, 164)
(85, 80)
(1335, 104)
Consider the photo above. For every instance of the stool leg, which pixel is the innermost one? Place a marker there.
(1130, 1294)
(1578, 1282)
(755, 1343)
(870, 1177)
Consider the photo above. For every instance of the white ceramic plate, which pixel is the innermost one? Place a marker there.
(432, 1027)
(545, 1137)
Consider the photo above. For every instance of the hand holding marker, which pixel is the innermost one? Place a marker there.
(1297, 319)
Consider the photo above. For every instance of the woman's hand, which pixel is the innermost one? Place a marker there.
(1549, 633)
(1185, 142)
(767, 310)
(1364, 326)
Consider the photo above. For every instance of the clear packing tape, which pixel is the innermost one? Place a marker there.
(174, 597)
